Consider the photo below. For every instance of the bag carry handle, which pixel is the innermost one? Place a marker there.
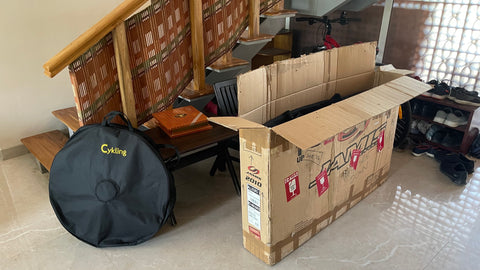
(176, 158)
(111, 115)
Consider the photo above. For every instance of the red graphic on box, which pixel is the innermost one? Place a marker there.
(254, 232)
(355, 157)
(292, 186)
(322, 182)
(253, 170)
(329, 140)
(381, 141)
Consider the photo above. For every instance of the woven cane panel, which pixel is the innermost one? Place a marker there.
(95, 82)
(224, 22)
(159, 41)
(266, 4)
(160, 54)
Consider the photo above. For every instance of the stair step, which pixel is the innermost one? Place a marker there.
(45, 146)
(278, 14)
(273, 52)
(69, 117)
(254, 40)
(233, 63)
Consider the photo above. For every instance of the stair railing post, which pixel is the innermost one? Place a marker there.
(124, 74)
(253, 18)
(198, 51)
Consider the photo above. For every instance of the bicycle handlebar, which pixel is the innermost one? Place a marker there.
(343, 20)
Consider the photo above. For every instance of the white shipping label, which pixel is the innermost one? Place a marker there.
(253, 198)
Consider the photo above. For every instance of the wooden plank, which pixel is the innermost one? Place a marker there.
(69, 117)
(280, 13)
(91, 37)
(189, 93)
(253, 18)
(198, 50)
(255, 39)
(273, 52)
(227, 61)
(45, 146)
(124, 75)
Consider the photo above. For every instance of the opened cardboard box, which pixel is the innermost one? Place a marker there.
(300, 176)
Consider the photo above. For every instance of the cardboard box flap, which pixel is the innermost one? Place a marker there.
(253, 90)
(311, 129)
(355, 59)
(392, 69)
(234, 123)
(388, 96)
(409, 86)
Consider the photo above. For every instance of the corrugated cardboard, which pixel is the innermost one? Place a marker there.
(300, 176)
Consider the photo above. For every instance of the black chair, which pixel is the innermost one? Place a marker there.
(226, 95)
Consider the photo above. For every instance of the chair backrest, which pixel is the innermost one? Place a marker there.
(226, 94)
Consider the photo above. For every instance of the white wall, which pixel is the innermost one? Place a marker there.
(31, 32)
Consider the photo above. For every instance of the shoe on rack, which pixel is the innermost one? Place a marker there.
(452, 139)
(416, 107)
(462, 96)
(460, 91)
(431, 131)
(455, 170)
(423, 126)
(421, 149)
(439, 136)
(455, 119)
(413, 127)
(441, 91)
(441, 115)
(429, 110)
(429, 93)
(433, 82)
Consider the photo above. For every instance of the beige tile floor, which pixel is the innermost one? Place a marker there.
(417, 220)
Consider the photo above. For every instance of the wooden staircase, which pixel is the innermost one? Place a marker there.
(46, 145)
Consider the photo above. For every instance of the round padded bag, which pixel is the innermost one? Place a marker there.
(110, 187)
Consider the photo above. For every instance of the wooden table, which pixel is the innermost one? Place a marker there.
(196, 147)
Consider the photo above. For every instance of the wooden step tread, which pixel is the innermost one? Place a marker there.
(220, 66)
(69, 117)
(273, 52)
(280, 13)
(189, 93)
(256, 39)
(45, 146)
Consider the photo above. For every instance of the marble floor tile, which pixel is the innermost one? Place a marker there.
(418, 219)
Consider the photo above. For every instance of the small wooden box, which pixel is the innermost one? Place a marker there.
(182, 121)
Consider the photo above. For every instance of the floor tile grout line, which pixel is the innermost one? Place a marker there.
(436, 255)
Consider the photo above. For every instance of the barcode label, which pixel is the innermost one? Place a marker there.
(253, 198)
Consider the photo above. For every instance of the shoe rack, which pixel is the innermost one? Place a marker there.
(470, 130)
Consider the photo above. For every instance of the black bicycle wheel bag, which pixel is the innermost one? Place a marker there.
(109, 185)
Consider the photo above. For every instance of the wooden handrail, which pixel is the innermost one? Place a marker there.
(91, 36)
